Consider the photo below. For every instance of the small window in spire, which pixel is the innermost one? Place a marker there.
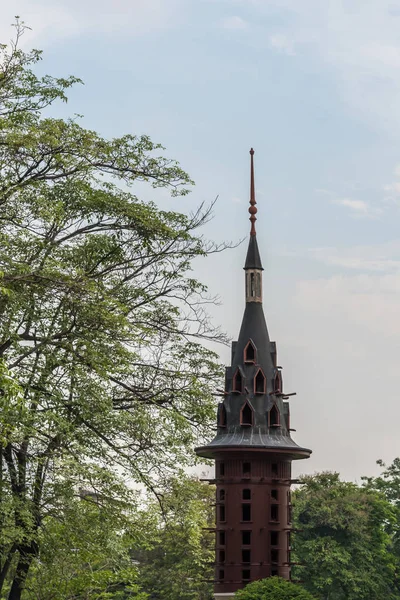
(258, 285)
(222, 415)
(252, 285)
(260, 382)
(246, 415)
(250, 353)
(237, 382)
(278, 383)
(273, 417)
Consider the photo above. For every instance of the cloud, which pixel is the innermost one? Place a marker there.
(384, 258)
(67, 18)
(282, 43)
(359, 208)
(234, 23)
(357, 42)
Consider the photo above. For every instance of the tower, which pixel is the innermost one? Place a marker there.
(253, 449)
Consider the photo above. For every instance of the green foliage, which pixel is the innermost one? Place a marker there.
(177, 562)
(343, 540)
(85, 553)
(273, 588)
(107, 381)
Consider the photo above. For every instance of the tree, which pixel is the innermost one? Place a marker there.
(343, 546)
(388, 484)
(85, 553)
(177, 560)
(101, 321)
(273, 588)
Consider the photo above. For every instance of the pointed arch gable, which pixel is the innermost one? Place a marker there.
(222, 415)
(274, 418)
(237, 381)
(260, 382)
(250, 352)
(278, 382)
(247, 414)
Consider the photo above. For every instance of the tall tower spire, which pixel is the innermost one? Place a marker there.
(252, 208)
(253, 449)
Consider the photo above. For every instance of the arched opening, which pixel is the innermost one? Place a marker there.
(250, 352)
(237, 382)
(258, 285)
(246, 415)
(260, 382)
(278, 383)
(222, 416)
(273, 417)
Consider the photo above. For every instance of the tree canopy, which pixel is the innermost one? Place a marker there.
(343, 542)
(273, 588)
(106, 382)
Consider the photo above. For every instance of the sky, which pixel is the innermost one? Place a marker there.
(314, 87)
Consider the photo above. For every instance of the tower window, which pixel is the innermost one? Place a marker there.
(246, 494)
(273, 417)
(250, 352)
(237, 383)
(274, 468)
(246, 512)
(246, 415)
(246, 556)
(274, 556)
(260, 383)
(246, 575)
(222, 538)
(222, 513)
(246, 468)
(274, 512)
(222, 556)
(222, 416)
(274, 494)
(274, 572)
(222, 469)
(246, 538)
(252, 285)
(278, 383)
(222, 495)
(221, 574)
(274, 538)
(258, 285)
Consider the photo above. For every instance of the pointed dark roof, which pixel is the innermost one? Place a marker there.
(253, 260)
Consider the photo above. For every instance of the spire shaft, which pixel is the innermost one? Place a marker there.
(252, 208)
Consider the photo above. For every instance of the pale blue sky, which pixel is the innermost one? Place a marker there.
(314, 86)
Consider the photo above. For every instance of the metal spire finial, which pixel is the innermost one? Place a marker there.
(252, 207)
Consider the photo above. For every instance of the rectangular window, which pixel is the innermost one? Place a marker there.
(246, 556)
(274, 556)
(274, 468)
(274, 494)
(274, 572)
(274, 512)
(246, 538)
(246, 575)
(222, 495)
(246, 468)
(222, 556)
(221, 574)
(246, 494)
(222, 469)
(222, 538)
(246, 512)
(222, 513)
(274, 538)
